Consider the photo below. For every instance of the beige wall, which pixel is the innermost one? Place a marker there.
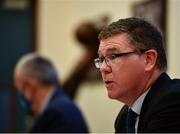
(173, 40)
(57, 20)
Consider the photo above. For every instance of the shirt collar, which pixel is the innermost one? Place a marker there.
(137, 105)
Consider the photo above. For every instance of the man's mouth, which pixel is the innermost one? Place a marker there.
(108, 82)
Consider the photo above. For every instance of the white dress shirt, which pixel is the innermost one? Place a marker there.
(136, 107)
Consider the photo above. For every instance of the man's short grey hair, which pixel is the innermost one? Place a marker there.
(37, 67)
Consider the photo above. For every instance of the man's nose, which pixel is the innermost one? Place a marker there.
(105, 68)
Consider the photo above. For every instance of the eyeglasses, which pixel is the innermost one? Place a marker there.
(110, 58)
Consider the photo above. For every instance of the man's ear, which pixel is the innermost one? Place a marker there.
(150, 57)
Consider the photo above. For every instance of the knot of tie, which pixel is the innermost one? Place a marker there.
(131, 120)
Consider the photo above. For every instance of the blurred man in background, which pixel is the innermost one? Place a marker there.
(39, 91)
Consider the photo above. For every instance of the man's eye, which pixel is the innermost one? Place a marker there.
(113, 57)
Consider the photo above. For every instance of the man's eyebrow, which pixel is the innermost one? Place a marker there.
(112, 49)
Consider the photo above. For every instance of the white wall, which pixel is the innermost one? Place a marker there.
(56, 22)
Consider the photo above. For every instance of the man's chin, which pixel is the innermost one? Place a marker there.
(111, 96)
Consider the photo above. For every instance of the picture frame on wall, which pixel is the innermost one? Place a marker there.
(153, 11)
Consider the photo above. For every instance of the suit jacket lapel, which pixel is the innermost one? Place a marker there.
(151, 98)
(120, 123)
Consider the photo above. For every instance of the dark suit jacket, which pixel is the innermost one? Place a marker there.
(160, 110)
(61, 115)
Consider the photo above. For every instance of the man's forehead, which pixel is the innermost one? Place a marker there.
(111, 46)
(114, 43)
(107, 43)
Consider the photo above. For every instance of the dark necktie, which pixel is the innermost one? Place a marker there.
(130, 121)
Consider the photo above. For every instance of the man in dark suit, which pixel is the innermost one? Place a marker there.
(37, 83)
(133, 65)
